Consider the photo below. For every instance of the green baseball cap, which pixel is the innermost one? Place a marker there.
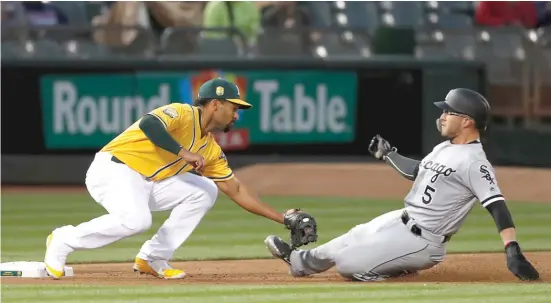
(220, 88)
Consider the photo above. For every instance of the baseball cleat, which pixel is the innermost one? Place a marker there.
(279, 248)
(56, 255)
(158, 268)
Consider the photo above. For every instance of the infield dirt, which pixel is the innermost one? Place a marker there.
(334, 180)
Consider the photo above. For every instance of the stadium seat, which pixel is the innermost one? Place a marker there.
(401, 13)
(508, 72)
(61, 33)
(319, 12)
(339, 44)
(430, 44)
(31, 49)
(362, 15)
(11, 49)
(542, 99)
(219, 47)
(74, 10)
(281, 42)
(84, 49)
(460, 44)
(450, 21)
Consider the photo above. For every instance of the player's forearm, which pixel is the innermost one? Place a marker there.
(503, 220)
(252, 203)
(407, 167)
(155, 131)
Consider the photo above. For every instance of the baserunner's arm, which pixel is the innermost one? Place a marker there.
(482, 182)
(407, 167)
(382, 150)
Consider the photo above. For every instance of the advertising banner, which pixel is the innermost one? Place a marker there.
(289, 107)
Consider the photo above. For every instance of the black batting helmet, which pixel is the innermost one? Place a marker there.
(467, 102)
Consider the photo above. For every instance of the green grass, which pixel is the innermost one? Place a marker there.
(229, 232)
(353, 292)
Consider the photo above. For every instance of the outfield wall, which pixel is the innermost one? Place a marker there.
(302, 108)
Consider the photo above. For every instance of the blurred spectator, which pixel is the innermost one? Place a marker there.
(543, 9)
(241, 15)
(123, 13)
(151, 15)
(163, 14)
(13, 13)
(499, 13)
(286, 14)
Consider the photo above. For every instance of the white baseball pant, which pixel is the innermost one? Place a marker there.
(129, 200)
(381, 248)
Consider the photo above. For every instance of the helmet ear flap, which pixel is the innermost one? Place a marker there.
(482, 126)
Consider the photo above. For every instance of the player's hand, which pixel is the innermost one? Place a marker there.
(195, 160)
(517, 263)
(380, 147)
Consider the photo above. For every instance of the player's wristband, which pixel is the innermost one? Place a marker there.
(155, 131)
(501, 215)
(509, 242)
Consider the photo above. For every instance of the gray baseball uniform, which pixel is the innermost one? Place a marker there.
(449, 181)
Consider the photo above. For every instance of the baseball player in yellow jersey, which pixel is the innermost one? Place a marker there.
(167, 160)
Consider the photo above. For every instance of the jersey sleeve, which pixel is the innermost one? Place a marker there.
(173, 116)
(219, 169)
(483, 184)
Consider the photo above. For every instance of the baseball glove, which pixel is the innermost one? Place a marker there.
(303, 227)
(517, 263)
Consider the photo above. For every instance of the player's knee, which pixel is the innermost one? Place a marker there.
(137, 222)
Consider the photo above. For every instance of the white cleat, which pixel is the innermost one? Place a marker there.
(56, 255)
(279, 248)
(158, 268)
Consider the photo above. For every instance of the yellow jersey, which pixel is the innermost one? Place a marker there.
(182, 121)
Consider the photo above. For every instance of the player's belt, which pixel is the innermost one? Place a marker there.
(416, 230)
(116, 160)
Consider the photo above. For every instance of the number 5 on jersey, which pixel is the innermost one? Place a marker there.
(427, 195)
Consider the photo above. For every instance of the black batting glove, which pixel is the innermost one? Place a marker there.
(517, 263)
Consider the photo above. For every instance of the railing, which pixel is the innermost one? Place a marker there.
(271, 42)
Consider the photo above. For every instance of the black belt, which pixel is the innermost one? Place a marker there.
(415, 229)
(116, 160)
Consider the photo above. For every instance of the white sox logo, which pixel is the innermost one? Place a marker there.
(486, 174)
(438, 169)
